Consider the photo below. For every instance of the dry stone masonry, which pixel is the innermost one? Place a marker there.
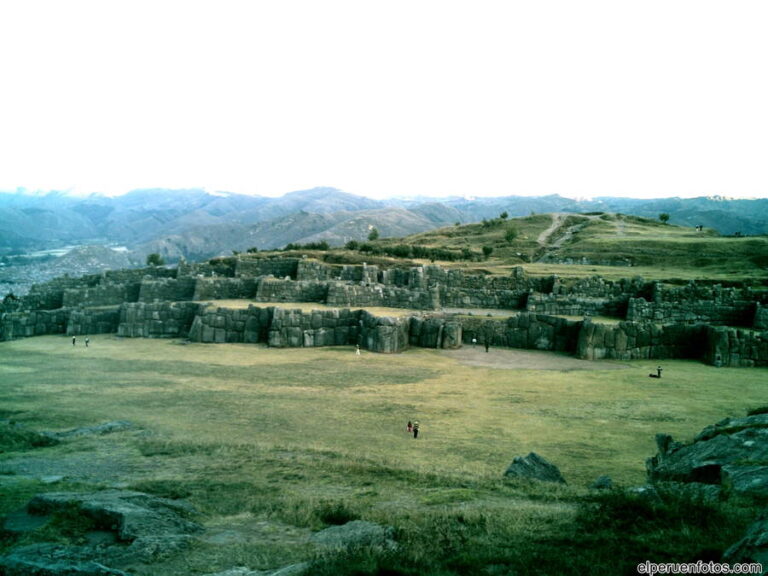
(593, 318)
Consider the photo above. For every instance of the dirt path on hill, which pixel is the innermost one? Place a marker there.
(557, 220)
(512, 359)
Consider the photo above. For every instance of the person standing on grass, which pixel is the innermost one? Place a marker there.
(74, 340)
(416, 429)
(409, 427)
(357, 350)
(86, 341)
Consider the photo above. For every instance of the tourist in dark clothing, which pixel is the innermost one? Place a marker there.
(415, 429)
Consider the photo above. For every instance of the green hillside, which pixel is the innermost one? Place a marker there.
(612, 245)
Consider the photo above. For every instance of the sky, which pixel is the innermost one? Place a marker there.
(396, 98)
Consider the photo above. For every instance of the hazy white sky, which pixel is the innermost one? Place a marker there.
(580, 98)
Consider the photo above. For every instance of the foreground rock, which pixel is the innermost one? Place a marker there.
(534, 467)
(730, 458)
(731, 453)
(357, 534)
(128, 527)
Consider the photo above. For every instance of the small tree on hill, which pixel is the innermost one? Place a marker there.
(487, 251)
(155, 259)
(373, 234)
(504, 215)
(510, 235)
(664, 217)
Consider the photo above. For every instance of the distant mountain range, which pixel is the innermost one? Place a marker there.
(196, 224)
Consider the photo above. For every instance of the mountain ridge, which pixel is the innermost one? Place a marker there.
(193, 223)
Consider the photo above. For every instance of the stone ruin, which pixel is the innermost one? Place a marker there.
(724, 326)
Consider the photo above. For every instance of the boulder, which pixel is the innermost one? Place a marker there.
(356, 534)
(746, 480)
(135, 526)
(534, 467)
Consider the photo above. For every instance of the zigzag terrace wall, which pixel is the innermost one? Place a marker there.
(669, 322)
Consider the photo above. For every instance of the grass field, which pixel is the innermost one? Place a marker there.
(272, 443)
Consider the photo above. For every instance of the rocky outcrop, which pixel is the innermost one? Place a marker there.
(534, 467)
(141, 528)
(731, 454)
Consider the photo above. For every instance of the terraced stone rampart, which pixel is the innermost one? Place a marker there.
(101, 295)
(157, 319)
(277, 290)
(84, 321)
(25, 324)
(640, 340)
(167, 289)
(217, 288)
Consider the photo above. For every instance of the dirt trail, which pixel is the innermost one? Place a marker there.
(557, 220)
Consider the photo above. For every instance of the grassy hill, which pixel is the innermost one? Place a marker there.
(612, 245)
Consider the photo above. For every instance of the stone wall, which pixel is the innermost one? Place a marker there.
(761, 317)
(276, 290)
(84, 321)
(157, 319)
(598, 287)
(354, 295)
(277, 267)
(108, 294)
(736, 347)
(383, 334)
(308, 269)
(216, 324)
(435, 332)
(554, 304)
(727, 312)
(523, 330)
(130, 275)
(167, 289)
(640, 340)
(217, 288)
(363, 274)
(297, 328)
(33, 323)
